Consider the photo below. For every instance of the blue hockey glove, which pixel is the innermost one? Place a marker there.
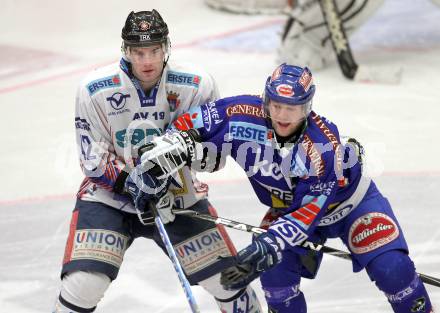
(262, 254)
(143, 188)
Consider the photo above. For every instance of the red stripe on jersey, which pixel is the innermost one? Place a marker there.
(84, 186)
(70, 238)
(313, 207)
(304, 219)
(306, 212)
(110, 172)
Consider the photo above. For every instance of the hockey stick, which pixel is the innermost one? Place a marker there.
(350, 69)
(172, 254)
(307, 244)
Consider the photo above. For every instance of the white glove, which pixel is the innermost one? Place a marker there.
(164, 208)
(165, 155)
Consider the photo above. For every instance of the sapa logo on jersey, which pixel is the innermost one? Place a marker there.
(183, 79)
(136, 136)
(371, 231)
(103, 83)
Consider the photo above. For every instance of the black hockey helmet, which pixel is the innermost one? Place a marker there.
(144, 28)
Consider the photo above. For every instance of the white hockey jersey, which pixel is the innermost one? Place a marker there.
(114, 117)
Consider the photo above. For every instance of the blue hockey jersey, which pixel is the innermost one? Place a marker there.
(314, 181)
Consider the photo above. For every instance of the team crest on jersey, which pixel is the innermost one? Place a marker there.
(103, 83)
(173, 100)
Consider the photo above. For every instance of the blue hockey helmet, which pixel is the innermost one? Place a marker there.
(291, 85)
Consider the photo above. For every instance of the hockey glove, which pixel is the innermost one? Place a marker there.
(165, 155)
(262, 254)
(143, 188)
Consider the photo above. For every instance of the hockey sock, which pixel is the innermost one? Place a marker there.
(285, 300)
(394, 274)
(244, 301)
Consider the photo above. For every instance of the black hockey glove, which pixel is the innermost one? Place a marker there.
(262, 254)
(144, 188)
(165, 155)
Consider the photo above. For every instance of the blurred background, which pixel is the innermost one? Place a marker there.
(46, 47)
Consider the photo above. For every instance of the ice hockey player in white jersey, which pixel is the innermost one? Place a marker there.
(119, 108)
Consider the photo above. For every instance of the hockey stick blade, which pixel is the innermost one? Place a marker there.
(433, 281)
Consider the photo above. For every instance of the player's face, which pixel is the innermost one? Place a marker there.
(286, 119)
(147, 63)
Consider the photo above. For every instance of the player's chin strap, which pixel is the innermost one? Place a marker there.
(306, 244)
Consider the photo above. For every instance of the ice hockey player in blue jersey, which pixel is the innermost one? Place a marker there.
(311, 179)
